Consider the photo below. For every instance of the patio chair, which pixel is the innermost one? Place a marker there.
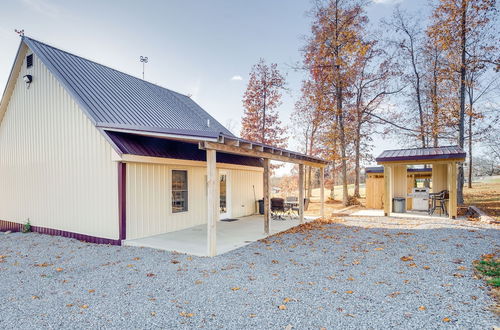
(438, 201)
(306, 205)
(278, 208)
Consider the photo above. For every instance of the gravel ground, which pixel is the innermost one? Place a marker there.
(338, 275)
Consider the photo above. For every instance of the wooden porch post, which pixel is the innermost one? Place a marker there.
(387, 190)
(266, 187)
(301, 193)
(452, 190)
(322, 190)
(212, 207)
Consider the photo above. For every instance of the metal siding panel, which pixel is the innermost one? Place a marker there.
(55, 166)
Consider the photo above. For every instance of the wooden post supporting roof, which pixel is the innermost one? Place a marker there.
(452, 190)
(212, 203)
(388, 190)
(301, 193)
(266, 187)
(322, 191)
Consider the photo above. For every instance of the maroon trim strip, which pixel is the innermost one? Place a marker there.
(13, 226)
(122, 199)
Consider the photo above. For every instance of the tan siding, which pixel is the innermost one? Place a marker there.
(149, 197)
(375, 191)
(55, 166)
(242, 188)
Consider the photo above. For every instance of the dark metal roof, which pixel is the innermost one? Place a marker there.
(116, 101)
(111, 97)
(380, 169)
(417, 154)
(156, 147)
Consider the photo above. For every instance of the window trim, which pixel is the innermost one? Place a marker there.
(172, 190)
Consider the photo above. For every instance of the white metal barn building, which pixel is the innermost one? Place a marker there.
(95, 154)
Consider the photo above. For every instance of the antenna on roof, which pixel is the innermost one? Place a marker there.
(144, 60)
(19, 32)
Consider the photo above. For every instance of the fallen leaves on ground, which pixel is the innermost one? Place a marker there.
(184, 314)
(446, 319)
(84, 306)
(422, 308)
(150, 275)
(394, 294)
(407, 258)
(174, 261)
(282, 307)
(349, 292)
(59, 269)
(45, 264)
(236, 288)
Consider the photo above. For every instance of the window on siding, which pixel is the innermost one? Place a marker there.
(179, 191)
(29, 61)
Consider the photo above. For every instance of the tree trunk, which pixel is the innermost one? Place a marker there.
(309, 182)
(357, 141)
(343, 154)
(461, 128)
(435, 109)
(469, 184)
(332, 191)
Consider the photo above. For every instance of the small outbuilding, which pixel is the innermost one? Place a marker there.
(375, 185)
(92, 153)
(398, 178)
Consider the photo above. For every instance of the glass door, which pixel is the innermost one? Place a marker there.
(224, 195)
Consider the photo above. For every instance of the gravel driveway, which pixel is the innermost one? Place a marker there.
(357, 273)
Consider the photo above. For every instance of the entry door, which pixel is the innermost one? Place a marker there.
(224, 194)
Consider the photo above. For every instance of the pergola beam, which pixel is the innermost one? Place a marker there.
(248, 149)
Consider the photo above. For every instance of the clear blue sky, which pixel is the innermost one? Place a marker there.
(195, 47)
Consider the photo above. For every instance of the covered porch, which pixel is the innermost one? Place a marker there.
(229, 236)
(237, 146)
(443, 162)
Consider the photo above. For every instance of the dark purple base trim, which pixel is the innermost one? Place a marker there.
(13, 226)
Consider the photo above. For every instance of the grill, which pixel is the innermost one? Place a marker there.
(420, 198)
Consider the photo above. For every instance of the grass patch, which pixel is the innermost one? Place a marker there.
(488, 268)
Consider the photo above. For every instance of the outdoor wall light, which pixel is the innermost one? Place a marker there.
(28, 79)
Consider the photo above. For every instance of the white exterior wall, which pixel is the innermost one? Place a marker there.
(149, 197)
(55, 166)
(243, 199)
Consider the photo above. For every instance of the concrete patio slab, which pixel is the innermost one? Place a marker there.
(230, 235)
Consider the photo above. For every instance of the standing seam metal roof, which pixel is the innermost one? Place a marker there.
(445, 152)
(115, 98)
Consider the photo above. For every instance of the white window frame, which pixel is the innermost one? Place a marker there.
(187, 190)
